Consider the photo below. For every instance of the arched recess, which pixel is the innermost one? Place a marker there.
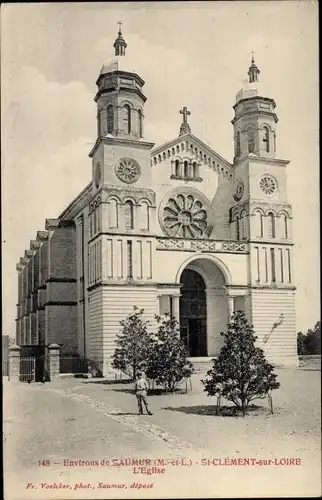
(258, 223)
(243, 225)
(251, 139)
(266, 131)
(113, 213)
(144, 215)
(127, 118)
(110, 119)
(283, 225)
(211, 258)
(203, 304)
(271, 229)
(140, 123)
(238, 143)
(128, 214)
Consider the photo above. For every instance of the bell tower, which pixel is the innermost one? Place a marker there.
(262, 216)
(255, 120)
(120, 155)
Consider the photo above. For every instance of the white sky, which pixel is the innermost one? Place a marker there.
(194, 54)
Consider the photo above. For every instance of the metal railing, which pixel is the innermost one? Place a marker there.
(27, 369)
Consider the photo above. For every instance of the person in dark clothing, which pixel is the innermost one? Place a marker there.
(141, 388)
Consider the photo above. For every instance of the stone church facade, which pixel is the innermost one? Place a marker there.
(171, 229)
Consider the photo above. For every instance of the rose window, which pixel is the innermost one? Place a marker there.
(128, 170)
(268, 184)
(185, 216)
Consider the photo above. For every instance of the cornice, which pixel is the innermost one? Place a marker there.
(118, 141)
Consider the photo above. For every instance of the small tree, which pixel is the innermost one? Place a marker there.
(168, 365)
(134, 344)
(240, 373)
(301, 343)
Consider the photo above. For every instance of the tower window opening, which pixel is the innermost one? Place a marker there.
(177, 168)
(271, 225)
(110, 119)
(127, 118)
(129, 215)
(237, 228)
(266, 139)
(140, 124)
(251, 141)
(186, 169)
(195, 169)
(238, 143)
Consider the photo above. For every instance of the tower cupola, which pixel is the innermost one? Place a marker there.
(255, 119)
(120, 44)
(120, 99)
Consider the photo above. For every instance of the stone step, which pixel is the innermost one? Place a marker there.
(202, 364)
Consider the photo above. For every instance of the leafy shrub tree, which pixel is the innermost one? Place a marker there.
(133, 344)
(241, 373)
(310, 343)
(168, 364)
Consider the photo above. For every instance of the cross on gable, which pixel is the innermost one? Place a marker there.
(184, 111)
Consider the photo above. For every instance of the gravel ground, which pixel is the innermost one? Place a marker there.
(80, 419)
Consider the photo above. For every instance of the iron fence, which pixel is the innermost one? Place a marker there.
(27, 369)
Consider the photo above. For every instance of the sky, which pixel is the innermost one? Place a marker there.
(193, 54)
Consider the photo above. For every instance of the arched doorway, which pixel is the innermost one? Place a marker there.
(193, 313)
(204, 306)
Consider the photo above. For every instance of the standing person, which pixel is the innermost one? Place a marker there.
(141, 387)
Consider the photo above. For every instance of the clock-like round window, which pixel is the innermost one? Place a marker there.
(239, 190)
(98, 174)
(268, 184)
(185, 215)
(128, 170)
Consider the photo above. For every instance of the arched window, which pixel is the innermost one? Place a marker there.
(127, 118)
(98, 122)
(243, 228)
(259, 230)
(251, 140)
(110, 119)
(285, 226)
(177, 166)
(238, 143)
(195, 169)
(144, 218)
(140, 124)
(113, 214)
(266, 138)
(271, 225)
(128, 215)
(186, 169)
(237, 228)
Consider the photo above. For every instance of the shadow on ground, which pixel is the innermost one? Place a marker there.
(223, 411)
(153, 392)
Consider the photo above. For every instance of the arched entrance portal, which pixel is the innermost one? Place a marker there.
(193, 313)
(204, 306)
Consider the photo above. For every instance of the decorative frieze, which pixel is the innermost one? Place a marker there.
(202, 245)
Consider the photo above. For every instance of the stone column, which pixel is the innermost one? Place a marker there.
(53, 360)
(14, 363)
(176, 307)
(230, 307)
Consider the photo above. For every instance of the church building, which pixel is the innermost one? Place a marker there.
(173, 228)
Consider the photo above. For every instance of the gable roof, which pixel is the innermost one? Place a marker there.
(190, 143)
